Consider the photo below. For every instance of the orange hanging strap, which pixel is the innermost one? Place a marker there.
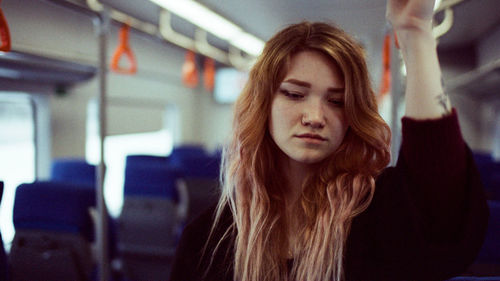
(385, 84)
(189, 71)
(123, 49)
(209, 74)
(4, 33)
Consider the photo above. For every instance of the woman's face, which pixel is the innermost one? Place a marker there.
(307, 119)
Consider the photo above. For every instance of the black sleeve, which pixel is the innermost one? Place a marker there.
(187, 261)
(430, 212)
(200, 256)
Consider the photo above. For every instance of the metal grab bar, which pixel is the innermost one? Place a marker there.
(165, 31)
(446, 6)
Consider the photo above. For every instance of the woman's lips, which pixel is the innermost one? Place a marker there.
(311, 137)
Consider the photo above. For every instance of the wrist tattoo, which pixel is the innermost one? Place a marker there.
(444, 102)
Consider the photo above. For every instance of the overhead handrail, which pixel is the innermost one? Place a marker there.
(446, 4)
(239, 61)
(169, 34)
(4, 33)
(165, 31)
(123, 49)
(447, 23)
(467, 78)
(203, 47)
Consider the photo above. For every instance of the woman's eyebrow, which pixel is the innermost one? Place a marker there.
(304, 84)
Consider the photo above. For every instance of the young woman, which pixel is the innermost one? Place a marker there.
(306, 192)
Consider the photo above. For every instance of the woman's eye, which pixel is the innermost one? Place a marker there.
(335, 102)
(292, 95)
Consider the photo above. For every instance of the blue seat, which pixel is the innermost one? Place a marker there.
(79, 171)
(489, 170)
(149, 219)
(54, 206)
(73, 170)
(151, 181)
(195, 161)
(200, 176)
(3, 256)
(145, 160)
(187, 150)
(487, 263)
(54, 231)
(482, 156)
(490, 252)
(201, 166)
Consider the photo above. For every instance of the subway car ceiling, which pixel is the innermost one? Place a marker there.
(467, 51)
(467, 39)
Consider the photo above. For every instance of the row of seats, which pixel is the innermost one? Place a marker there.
(161, 195)
(487, 263)
(54, 228)
(489, 168)
(54, 232)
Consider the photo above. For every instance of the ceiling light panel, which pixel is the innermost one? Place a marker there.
(204, 18)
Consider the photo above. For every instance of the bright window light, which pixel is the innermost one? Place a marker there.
(17, 151)
(204, 18)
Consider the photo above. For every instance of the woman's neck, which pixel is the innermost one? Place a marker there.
(296, 174)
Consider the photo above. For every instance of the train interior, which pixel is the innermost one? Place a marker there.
(114, 115)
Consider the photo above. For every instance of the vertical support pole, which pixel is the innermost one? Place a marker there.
(36, 136)
(104, 271)
(397, 93)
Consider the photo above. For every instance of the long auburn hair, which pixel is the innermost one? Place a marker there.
(253, 183)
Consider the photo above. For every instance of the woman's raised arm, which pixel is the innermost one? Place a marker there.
(412, 22)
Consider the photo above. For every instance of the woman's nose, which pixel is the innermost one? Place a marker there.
(313, 115)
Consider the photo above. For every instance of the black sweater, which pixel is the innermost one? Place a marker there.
(426, 221)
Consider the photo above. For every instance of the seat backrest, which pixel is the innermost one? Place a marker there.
(489, 169)
(182, 151)
(73, 170)
(145, 160)
(490, 252)
(54, 231)
(147, 237)
(47, 255)
(147, 226)
(200, 166)
(202, 194)
(54, 206)
(151, 181)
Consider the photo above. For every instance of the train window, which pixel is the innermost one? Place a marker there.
(121, 142)
(229, 82)
(17, 153)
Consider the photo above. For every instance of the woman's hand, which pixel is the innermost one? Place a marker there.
(410, 15)
(412, 22)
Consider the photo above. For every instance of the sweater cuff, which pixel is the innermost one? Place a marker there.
(433, 143)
